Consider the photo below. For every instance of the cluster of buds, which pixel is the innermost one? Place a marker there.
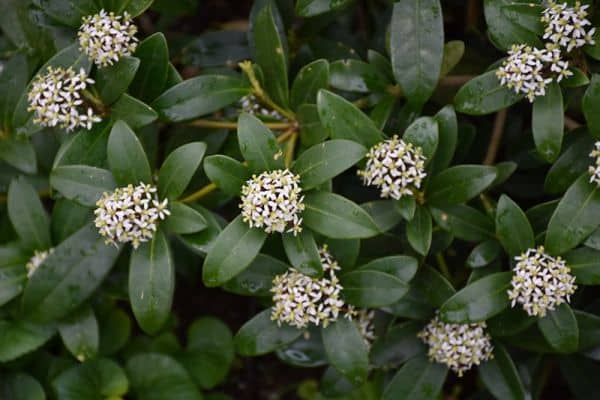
(105, 38)
(300, 299)
(459, 346)
(595, 167)
(394, 167)
(565, 26)
(38, 258)
(56, 98)
(529, 70)
(540, 282)
(251, 105)
(273, 201)
(130, 214)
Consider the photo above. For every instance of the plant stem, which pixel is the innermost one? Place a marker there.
(291, 146)
(206, 123)
(443, 266)
(497, 133)
(197, 195)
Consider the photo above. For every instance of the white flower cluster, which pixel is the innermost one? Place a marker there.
(56, 98)
(105, 37)
(459, 346)
(540, 282)
(38, 258)
(364, 320)
(273, 201)
(529, 70)
(595, 167)
(130, 214)
(565, 26)
(394, 167)
(300, 299)
(251, 105)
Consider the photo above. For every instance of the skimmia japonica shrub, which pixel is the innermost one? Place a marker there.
(299, 199)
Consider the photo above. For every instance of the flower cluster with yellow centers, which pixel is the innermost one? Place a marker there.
(38, 258)
(273, 201)
(364, 320)
(395, 167)
(251, 105)
(540, 282)
(130, 214)
(106, 37)
(594, 169)
(459, 346)
(565, 26)
(529, 70)
(300, 300)
(56, 98)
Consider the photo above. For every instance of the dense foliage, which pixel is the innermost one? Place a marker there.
(357, 199)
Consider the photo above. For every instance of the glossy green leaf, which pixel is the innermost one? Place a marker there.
(505, 25)
(151, 76)
(432, 286)
(301, 249)
(311, 8)
(357, 76)
(459, 184)
(20, 386)
(28, 216)
(419, 231)
(85, 147)
(310, 79)
(484, 95)
(424, 134)
(134, 112)
(406, 207)
(260, 335)
(590, 103)
(184, 219)
(311, 130)
(113, 81)
(584, 263)
(418, 379)
(69, 12)
(346, 350)
(178, 169)
(80, 335)
(454, 51)
(13, 80)
(402, 267)
(21, 337)
(589, 330)
(126, 156)
(548, 122)
(96, 379)
(257, 278)
(500, 376)
(258, 145)
(559, 327)
(399, 344)
(372, 289)
(483, 254)
(384, 213)
(578, 79)
(512, 227)
(448, 136)
(464, 222)
(569, 166)
(18, 153)
(227, 173)
(81, 183)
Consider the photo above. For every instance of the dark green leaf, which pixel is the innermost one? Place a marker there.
(228, 174)
(548, 122)
(96, 379)
(260, 335)
(434, 287)
(585, 265)
(464, 222)
(418, 231)
(418, 379)
(179, 168)
(372, 289)
(80, 335)
(18, 153)
(81, 183)
(483, 254)
(399, 344)
(257, 279)
(346, 350)
(406, 207)
(310, 8)
(569, 166)
(424, 134)
(21, 337)
(590, 103)
(459, 184)
(357, 76)
(85, 147)
(310, 79)
(512, 227)
(126, 156)
(448, 136)
(402, 267)
(581, 373)
(151, 76)
(484, 95)
(311, 130)
(578, 79)
(589, 330)
(134, 112)
(505, 25)
(184, 219)
(559, 327)
(113, 81)
(258, 144)
(384, 213)
(302, 251)
(19, 386)
(13, 80)
(27, 215)
(500, 376)
(454, 51)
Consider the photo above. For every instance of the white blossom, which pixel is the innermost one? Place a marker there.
(566, 26)
(394, 167)
(130, 214)
(594, 169)
(540, 282)
(251, 105)
(38, 258)
(459, 346)
(273, 201)
(529, 70)
(364, 320)
(106, 37)
(300, 299)
(56, 98)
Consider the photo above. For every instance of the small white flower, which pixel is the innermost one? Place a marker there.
(394, 167)
(364, 320)
(565, 26)
(273, 201)
(251, 105)
(130, 214)
(300, 300)
(38, 258)
(540, 282)
(459, 346)
(56, 98)
(106, 37)
(595, 167)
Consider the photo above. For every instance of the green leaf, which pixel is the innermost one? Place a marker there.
(357, 76)
(113, 81)
(134, 112)
(559, 327)
(419, 230)
(464, 222)
(432, 286)
(336, 217)
(184, 219)
(501, 377)
(12, 271)
(115, 329)
(21, 337)
(310, 79)
(399, 344)
(270, 49)
(302, 251)
(152, 283)
(27, 215)
(178, 169)
(505, 29)
(402, 267)
(479, 300)
(199, 96)
(575, 218)
(418, 379)
(311, 129)
(19, 386)
(448, 137)
(578, 79)
(69, 12)
(424, 134)
(589, 330)
(484, 95)
(343, 120)
(126, 156)
(526, 15)
(459, 184)
(258, 145)
(151, 76)
(257, 279)
(417, 63)
(548, 123)
(384, 213)
(512, 227)
(19, 153)
(585, 265)
(69, 275)
(85, 147)
(569, 166)
(311, 8)
(96, 379)
(483, 254)
(80, 334)
(581, 374)
(327, 160)
(260, 335)
(228, 174)
(159, 377)
(406, 207)
(590, 103)
(346, 350)
(372, 289)
(13, 81)
(454, 51)
(234, 249)
(81, 183)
